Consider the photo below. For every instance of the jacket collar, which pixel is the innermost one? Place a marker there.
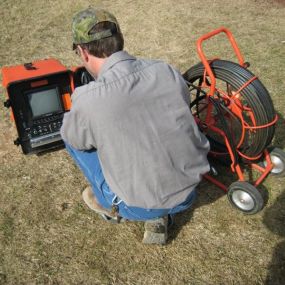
(114, 59)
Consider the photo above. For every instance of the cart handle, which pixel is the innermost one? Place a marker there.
(204, 59)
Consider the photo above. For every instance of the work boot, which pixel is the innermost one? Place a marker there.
(91, 202)
(156, 231)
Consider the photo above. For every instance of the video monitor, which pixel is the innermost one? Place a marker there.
(45, 101)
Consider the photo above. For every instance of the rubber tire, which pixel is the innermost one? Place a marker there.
(255, 95)
(280, 154)
(251, 191)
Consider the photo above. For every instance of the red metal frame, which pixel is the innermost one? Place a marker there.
(234, 104)
(205, 60)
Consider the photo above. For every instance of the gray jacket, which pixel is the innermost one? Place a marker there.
(136, 115)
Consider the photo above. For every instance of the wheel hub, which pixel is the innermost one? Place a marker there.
(278, 165)
(243, 200)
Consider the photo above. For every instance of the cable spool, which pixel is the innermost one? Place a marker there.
(251, 128)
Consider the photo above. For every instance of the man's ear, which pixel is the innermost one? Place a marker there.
(84, 54)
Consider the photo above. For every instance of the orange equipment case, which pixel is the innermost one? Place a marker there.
(44, 77)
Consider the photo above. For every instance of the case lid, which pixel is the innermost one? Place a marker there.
(34, 69)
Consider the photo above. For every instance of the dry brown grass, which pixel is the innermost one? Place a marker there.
(47, 235)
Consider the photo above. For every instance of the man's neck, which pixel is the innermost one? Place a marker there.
(95, 65)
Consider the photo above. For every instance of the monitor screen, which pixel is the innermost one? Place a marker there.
(45, 101)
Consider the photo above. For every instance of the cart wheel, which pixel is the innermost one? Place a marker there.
(277, 157)
(245, 197)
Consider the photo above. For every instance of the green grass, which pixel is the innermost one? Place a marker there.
(47, 234)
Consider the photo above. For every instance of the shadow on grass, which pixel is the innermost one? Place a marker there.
(207, 193)
(274, 219)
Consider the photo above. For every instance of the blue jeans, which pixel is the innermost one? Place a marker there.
(89, 164)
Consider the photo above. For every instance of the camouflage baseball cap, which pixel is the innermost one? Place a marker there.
(85, 20)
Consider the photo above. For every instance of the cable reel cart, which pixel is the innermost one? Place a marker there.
(234, 110)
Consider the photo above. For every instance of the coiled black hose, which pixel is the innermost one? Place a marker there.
(255, 96)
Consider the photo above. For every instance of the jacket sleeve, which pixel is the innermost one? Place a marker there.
(184, 88)
(75, 129)
(185, 91)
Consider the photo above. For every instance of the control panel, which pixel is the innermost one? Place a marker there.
(45, 131)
